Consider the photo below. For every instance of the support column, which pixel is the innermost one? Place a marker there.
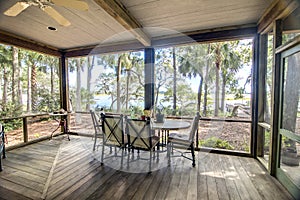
(255, 84)
(262, 93)
(278, 26)
(149, 78)
(64, 92)
(63, 81)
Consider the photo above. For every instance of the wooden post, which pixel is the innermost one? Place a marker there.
(262, 93)
(25, 130)
(64, 92)
(255, 78)
(149, 78)
(278, 25)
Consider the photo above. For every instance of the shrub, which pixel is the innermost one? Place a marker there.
(216, 143)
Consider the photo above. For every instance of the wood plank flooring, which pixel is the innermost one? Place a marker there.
(62, 169)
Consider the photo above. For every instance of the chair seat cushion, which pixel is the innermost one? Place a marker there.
(179, 139)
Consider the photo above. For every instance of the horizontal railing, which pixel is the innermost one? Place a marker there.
(85, 126)
(35, 117)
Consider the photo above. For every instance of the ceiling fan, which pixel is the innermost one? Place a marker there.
(46, 6)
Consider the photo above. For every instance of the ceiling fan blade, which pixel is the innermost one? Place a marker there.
(16, 9)
(55, 15)
(79, 5)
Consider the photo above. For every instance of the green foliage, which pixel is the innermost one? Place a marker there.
(215, 142)
(13, 124)
(12, 110)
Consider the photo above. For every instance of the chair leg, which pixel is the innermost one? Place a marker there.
(122, 158)
(0, 162)
(128, 157)
(150, 161)
(168, 153)
(193, 154)
(95, 141)
(102, 156)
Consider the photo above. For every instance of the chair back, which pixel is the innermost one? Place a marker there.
(194, 128)
(96, 122)
(112, 129)
(139, 133)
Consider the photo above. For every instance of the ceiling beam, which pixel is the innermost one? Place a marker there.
(103, 49)
(212, 35)
(217, 35)
(9, 39)
(119, 12)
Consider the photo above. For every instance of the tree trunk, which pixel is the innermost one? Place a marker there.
(217, 69)
(217, 90)
(205, 82)
(205, 100)
(119, 67)
(28, 87)
(15, 66)
(5, 87)
(127, 88)
(52, 80)
(89, 78)
(78, 89)
(34, 96)
(174, 83)
(223, 94)
(19, 84)
(199, 94)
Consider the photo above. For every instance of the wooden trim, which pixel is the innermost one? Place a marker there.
(103, 49)
(280, 10)
(224, 120)
(9, 39)
(24, 116)
(289, 185)
(260, 135)
(207, 36)
(254, 96)
(276, 88)
(288, 45)
(224, 151)
(121, 15)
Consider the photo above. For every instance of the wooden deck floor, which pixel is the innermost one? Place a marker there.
(61, 169)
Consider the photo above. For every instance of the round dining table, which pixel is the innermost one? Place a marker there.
(171, 125)
(168, 125)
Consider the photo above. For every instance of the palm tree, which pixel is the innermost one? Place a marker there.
(33, 60)
(5, 60)
(118, 63)
(192, 63)
(232, 61)
(50, 63)
(207, 79)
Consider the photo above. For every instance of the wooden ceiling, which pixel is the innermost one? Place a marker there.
(109, 22)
